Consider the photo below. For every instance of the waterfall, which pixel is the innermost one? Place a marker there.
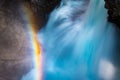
(78, 43)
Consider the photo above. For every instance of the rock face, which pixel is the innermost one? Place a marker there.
(16, 57)
(113, 7)
(46, 6)
(42, 8)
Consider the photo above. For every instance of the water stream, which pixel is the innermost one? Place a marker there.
(79, 44)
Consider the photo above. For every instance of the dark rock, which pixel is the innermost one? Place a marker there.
(42, 8)
(113, 7)
(46, 6)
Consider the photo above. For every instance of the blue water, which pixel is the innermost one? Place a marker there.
(78, 43)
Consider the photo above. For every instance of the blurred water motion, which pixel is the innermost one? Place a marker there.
(106, 70)
(30, 76)
(79, 44)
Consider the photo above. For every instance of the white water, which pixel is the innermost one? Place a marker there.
(78, 43)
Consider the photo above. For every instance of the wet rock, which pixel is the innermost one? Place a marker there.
(113, 7)
(16, 54)
(42, 9)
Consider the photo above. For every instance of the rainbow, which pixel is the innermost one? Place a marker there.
(36, 45)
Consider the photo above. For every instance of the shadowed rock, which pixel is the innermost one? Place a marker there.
(113, 7)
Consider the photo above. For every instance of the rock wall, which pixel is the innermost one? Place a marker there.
(16, 57)
(42, 8)
(113, 7)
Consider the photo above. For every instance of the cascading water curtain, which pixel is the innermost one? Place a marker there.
(78, 43)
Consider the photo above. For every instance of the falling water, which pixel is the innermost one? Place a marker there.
(79, 44)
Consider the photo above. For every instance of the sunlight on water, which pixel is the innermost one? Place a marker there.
(76, 41)
(106, 70)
